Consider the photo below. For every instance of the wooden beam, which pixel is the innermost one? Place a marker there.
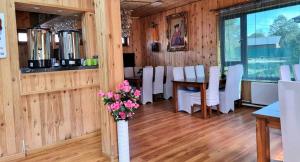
(109, 47)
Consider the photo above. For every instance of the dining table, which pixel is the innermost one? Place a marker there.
(200, 84)
(137, 80)
(266, 118)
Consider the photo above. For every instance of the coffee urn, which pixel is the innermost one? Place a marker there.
(39, 48)
(69, 47)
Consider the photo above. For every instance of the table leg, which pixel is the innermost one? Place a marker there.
(175, 97)
(262, 140)
(203, 100)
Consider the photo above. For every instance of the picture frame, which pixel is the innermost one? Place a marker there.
(177, 32)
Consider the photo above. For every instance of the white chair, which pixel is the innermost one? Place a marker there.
(190, 72)
(212, 93)
(285, 73)
(137, 70)
(158, 84)
(228, 96)
(168, 86)
(289, 116)
(128, 72)
(147, 85)
(239, 74)
(297, 72)
(178, 74)
(200, 71)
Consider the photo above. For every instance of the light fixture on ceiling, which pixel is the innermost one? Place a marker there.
(157, 3)
(36, 8)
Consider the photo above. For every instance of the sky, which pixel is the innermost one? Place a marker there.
(261, 21)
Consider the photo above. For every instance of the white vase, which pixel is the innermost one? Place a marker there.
(123, 141)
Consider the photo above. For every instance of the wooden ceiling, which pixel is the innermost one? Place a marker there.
(141, 8)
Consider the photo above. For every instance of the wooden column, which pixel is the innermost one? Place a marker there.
(88, 32)
(11, 128)
(109, 48)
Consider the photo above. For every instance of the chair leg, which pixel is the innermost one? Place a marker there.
(210, 111)
(218, 109)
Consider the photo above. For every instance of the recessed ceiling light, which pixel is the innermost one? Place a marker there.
(157, 3)
(59, 10)
(36, 8)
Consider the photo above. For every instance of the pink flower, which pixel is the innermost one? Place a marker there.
(115, 106)
(101, 94)
(137, 93)
(129, 104)
(129, 115)
(117, 96)
(126, 83)
(122, 115)
(110, 94)
(126, 88)
(136, 106)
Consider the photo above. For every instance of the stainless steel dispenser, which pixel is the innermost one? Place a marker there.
(39, 48)
(69, 47)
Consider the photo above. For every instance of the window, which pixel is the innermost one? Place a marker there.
(56, 38)
(262, 41)
(125, 41)
(22, 37)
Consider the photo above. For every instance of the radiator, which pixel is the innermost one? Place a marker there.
(264, 93)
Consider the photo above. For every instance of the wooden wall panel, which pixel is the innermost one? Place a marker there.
(88, 34)
(202, 37)
(58, 81)
(135, 42)
(50, 118)
(71, 4)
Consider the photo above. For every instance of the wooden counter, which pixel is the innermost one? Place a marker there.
(59, 105)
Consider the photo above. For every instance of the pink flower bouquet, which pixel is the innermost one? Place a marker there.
(123, 103)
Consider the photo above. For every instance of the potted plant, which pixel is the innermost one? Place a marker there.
(122, 104)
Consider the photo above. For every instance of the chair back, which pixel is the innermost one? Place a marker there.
(239, 76)
(158, 84)
(285, 73)
(178, 73)
(289, 116)
(231, 82)
(137, 70)
(128, 72)
(200, 71)
(147, 84)
(190, 72)
(297, 72)
(214, 83)
(169, 74)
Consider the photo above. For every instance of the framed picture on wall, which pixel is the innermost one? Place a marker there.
(177, 32)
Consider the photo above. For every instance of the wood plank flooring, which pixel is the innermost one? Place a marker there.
(157, 134)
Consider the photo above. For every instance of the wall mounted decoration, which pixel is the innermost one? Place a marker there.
(177, 32)
(3, 52)
(155, 45)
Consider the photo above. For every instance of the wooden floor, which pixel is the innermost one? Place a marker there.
(158, 134)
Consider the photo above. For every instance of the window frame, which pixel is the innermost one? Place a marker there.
(244, 53)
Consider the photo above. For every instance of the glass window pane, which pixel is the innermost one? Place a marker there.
(22, 37)
(273, 39)
(232, 36)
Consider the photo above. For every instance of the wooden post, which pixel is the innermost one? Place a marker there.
(109, 48)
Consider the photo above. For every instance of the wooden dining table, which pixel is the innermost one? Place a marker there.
(200, 83)
(267, 117)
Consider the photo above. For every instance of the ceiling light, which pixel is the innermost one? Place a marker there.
(59, 10)
(36, 8)
(157, 3)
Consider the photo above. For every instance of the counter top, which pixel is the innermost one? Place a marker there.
(53, 69)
